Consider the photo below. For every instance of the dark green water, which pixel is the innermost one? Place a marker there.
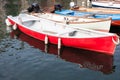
(25, 58)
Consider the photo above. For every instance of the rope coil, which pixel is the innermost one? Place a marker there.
(116, 42)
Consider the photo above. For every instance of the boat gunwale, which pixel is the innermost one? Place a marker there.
(88, 30)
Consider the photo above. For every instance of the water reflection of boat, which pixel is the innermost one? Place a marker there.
(86, 59)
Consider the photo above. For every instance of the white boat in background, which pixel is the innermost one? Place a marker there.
(106, 4)
(58, 33)
(98, 13)
(101, 24)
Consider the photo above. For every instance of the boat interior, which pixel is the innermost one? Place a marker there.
(60, 18)
(49, 27)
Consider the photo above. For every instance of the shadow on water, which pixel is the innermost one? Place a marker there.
(85, 59)
(115, 29)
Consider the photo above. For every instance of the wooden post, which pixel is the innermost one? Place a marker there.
(2, 12)
(24, 4)
(81, 3)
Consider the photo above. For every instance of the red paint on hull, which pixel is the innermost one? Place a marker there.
(115, 23)
(102, 44)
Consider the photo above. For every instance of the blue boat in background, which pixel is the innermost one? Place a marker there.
(71, 12)
(115, 17)
(89, 14)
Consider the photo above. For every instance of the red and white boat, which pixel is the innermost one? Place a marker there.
(57, 33)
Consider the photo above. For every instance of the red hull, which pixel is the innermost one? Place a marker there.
(102, 44)
(115, 23)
